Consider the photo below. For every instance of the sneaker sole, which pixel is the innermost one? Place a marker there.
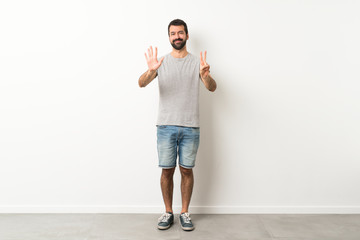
(187, 228)
(164, 228)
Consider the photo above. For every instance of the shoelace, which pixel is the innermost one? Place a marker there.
(186, 217)
(165, 217)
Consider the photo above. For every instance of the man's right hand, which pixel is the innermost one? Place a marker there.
(152, 61)
(153, 65)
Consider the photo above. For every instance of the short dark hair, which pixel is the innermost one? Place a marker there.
(178, 22)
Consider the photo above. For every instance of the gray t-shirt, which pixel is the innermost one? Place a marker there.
(179, 91)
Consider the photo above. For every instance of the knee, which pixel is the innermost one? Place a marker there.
(168, 173)
(186, 172)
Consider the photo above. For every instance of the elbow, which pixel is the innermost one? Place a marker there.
(212, 88)
(141, 84)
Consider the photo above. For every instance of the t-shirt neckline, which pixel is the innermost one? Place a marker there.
(179, 59)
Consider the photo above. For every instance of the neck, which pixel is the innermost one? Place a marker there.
(179, 53)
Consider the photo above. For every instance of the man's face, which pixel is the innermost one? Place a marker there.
(178, 36)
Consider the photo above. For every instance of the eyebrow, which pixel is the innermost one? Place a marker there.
(178, 31)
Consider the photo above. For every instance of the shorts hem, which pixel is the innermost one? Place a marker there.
(188, 167)
(166, 167)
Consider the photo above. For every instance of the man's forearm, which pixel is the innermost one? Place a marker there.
(146, 78)
(209, 83)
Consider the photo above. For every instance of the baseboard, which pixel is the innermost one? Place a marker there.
(193, 209)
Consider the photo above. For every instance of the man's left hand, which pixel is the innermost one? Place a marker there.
(204, 67)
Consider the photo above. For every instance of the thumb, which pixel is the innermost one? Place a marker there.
(161, 60)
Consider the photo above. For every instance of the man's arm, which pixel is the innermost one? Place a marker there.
(147, 77)
(209, 82)
(206, 78)
(153, 65)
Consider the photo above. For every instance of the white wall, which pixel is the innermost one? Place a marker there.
(281, 133)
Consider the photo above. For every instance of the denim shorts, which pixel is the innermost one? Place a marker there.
(174, 141)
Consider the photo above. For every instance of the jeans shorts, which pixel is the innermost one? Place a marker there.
(173, 141)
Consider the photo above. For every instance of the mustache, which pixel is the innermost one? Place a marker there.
(177, 40)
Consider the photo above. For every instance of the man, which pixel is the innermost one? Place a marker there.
(178, 131)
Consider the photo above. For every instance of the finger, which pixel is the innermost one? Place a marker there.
(201, 59)
(149, 53)
(146, 57)
(152, 53)
(205, 66)
(161, 60)
(156, 52)
(205, 57)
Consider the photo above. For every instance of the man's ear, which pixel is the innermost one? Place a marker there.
(187, 36)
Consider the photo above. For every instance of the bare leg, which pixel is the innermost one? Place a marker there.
(187, 183)
(167, 186)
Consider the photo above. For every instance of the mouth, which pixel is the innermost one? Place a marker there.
(177, 41)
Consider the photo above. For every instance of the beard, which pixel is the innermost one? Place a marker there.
(178, 46)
